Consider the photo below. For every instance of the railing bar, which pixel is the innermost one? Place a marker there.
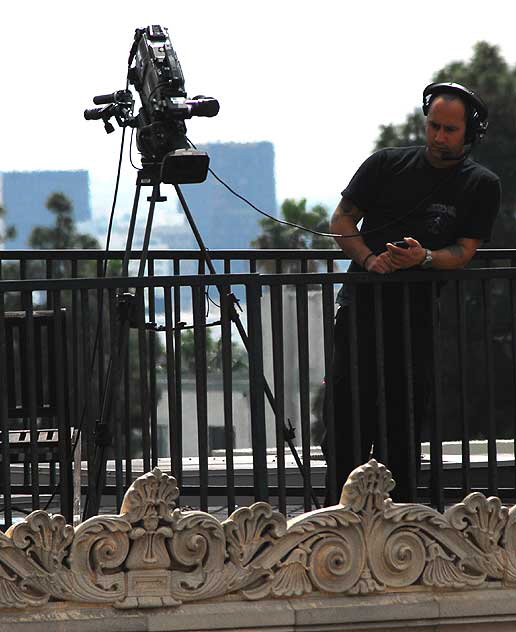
(381, 449)
(304, 387)
(143, 379)
(178, 372)
(328, 310)
(436, 452)
(152, 369)
(88, 428)
(257, 391)
(492, 467)
(278, 360)
(227, 388)
(38, 362)
(513, 341)
(76, 382)
(49, 275)
(201, 388)
(100, 349)
(412, 468)
(463, 400)
(29, 360)
(354, 369)
(118, 418)
(174, 428)
(63, 408)
(5, 484)
(127, 416)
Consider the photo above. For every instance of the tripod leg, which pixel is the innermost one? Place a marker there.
(103, 429)
(132, 224)
(155, 197)
(243, 335)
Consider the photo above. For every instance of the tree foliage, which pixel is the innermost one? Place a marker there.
(6, 232)
(63, 234)
(281, 236)
(213, 353)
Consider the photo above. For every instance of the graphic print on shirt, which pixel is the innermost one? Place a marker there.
(439, 218)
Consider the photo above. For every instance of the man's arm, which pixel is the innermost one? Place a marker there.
(344, 222)
(451, 257)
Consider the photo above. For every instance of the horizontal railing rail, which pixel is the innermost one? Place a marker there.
(187, 389)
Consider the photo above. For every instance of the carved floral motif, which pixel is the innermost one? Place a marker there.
(154, 554)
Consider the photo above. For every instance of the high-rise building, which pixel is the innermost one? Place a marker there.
(224, 221)
(23, 194)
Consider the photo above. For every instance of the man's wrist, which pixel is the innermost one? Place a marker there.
(371, 254)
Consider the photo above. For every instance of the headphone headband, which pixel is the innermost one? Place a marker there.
(477, 120)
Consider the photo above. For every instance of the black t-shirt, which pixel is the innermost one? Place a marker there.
(402, 195)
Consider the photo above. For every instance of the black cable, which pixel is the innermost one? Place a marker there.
(131, 151)
(99, 311)
(357, 234)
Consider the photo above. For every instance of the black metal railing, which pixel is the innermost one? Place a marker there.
(181, 401)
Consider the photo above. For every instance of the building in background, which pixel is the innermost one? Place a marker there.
(224, 221)
(23, 194)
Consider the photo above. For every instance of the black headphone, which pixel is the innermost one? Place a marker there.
(476, 109)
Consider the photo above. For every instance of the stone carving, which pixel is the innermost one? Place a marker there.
(154, 554)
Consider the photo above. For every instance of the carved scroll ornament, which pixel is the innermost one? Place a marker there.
(154, 554)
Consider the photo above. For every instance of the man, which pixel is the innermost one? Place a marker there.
(440, 205)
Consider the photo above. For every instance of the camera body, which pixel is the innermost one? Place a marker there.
(160, 123)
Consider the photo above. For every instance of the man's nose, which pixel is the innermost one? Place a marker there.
(440, 136)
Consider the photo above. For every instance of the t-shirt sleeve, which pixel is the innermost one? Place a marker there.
(479, 222)
(363, 186)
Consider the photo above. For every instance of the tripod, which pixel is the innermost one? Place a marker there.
(131, 313)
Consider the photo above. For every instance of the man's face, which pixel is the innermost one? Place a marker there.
(445, 128)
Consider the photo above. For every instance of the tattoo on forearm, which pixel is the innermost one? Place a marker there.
(456, 250)
(348, 208)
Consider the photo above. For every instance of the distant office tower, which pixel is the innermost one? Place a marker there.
(23, 194)
(224, 221)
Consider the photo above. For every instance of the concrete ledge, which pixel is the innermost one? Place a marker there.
(479, 610)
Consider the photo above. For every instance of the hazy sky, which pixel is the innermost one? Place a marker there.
(314, 78)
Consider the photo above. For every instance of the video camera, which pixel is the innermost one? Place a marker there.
(160, 122)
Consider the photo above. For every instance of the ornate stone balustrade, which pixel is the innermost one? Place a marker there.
(155, 555)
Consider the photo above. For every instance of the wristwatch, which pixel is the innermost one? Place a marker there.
(427, 261)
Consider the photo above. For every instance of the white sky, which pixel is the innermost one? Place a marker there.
(315, 78)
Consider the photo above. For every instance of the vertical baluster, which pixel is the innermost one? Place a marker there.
(278, 361)
(152, 369)
(436, 437)
(256, 391)
(304, 386)
(491, 420)
(201, 389)
(5, 483)
(227, 388)
(463, 400)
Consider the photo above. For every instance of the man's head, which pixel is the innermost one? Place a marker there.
(446, 124)
(448, 100)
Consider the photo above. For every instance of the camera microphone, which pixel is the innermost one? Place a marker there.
(203, 106)
(120, 96)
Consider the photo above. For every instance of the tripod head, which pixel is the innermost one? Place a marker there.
(160, 122)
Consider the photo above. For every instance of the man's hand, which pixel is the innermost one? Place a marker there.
(380, 264)
(402, 258)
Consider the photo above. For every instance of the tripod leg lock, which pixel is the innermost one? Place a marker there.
(126, 304)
